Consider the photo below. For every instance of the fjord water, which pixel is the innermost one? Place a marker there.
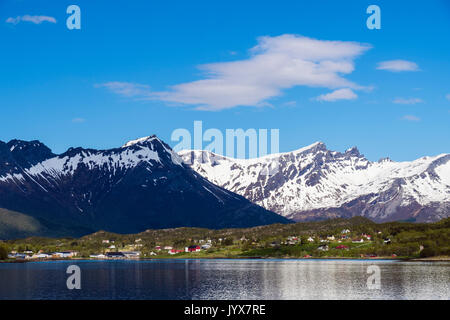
(226, 279)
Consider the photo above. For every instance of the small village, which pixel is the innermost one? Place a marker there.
(315, 245)
(354, 238)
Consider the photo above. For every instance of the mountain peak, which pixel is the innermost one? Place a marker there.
(353, 151)
(139, 141)
(314, 183)
(316, 146)
(129, 190)
(28, 152)
(21, 144)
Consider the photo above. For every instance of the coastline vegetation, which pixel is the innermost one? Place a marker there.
(356, 237)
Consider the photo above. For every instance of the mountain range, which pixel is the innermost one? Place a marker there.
(314, 183)
(146, 185)
(141, 185)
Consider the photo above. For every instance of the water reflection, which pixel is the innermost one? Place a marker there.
(226, 279)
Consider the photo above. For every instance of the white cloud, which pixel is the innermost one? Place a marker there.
(32, 19)
(407, 101)
(340, 94)
(398, 66)
(127, 89)
(275, 64)
(411, 118)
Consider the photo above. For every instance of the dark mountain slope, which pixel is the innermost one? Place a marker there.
(139, 186)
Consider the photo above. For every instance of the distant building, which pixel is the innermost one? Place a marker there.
(16, 255)
(193, 248)
(115, 255)
(64, 254)
(41, 256)
(132, 254)
(175, 251)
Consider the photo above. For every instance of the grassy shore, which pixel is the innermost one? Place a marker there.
(355, 238)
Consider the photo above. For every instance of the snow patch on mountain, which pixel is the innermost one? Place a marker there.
(133, 153)
(138, 141)
(313, 178)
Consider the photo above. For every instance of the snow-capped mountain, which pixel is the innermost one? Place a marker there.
(141, 185)
(315, 183)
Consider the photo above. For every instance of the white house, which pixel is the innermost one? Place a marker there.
(41, 256)
(17, 256)
(64, 254)
(132, 254)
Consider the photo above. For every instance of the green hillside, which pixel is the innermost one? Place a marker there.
(18, 225)
(304, 239)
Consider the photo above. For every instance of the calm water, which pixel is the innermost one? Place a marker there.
(226, 279)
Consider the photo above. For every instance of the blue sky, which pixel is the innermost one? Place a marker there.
(149, 67)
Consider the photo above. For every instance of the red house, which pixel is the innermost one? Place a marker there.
(193, 248)
(342, 247)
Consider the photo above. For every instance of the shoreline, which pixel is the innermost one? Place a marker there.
(432, 259)
(428, 259)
